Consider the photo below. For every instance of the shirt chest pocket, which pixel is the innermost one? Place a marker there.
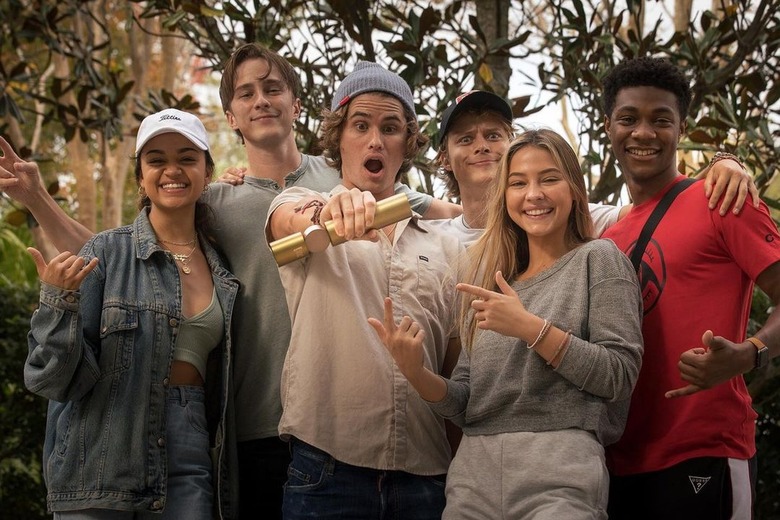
(431, 278)
(118, 330)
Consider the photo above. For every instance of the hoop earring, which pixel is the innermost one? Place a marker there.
(205, 188)
(141, 191)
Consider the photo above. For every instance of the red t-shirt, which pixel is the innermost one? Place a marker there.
(697, 273)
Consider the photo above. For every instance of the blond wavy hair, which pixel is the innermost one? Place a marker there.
(504, 245)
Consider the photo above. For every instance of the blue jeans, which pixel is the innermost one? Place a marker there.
(319, 486)
(190, 493)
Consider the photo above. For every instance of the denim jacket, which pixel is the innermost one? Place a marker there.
(102, 355)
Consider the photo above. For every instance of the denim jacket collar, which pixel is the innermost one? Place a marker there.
(146, 245)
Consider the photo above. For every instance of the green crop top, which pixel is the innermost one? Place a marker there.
(199, 335)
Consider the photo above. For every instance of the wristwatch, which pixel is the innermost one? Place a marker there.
(762, 352)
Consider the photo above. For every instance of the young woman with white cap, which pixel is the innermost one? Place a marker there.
(121, 342)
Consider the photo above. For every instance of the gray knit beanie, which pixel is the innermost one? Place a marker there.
(371, 77)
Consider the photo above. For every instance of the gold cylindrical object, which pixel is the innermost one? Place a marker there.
(388, 211)
(290, 248)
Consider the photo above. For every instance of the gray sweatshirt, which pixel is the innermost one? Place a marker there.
(501, 386)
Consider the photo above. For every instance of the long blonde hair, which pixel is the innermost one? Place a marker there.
(504, 245)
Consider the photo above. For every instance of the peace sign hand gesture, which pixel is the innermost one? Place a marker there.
(20, 179)
(404, 340)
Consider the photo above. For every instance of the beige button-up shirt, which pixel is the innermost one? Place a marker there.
(341, 390)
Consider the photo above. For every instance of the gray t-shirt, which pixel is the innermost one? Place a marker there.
(261, 322)
(502, 386)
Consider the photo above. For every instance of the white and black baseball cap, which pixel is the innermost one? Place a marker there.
(172, 120)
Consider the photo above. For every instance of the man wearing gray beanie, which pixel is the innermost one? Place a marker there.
(364, 444)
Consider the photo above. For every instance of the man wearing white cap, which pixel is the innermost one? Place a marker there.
(365, 445)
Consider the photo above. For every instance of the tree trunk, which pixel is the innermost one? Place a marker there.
(494, 73)
(79, 161)
(117, 162)
(682, 15)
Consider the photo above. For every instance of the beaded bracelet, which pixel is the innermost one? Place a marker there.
(542, 334)
(719, 156)
(558, 350)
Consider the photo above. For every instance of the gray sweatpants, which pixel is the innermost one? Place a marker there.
(525, 475)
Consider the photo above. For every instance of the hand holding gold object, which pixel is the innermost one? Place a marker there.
(316, 238)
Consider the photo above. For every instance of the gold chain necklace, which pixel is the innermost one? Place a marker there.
(184, 259)
(178, 243)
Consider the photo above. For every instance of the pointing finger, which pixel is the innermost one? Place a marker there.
(681, 392)
(479, 292)
(379, 328)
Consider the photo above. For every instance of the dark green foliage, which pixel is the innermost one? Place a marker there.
(732, 60)
(438, 47)
(767, 403)
(764, 386)
(97, 87)
(22, 414)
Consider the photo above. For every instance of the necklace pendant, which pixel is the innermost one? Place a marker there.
(186, 269)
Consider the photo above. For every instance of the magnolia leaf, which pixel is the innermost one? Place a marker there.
(17, 218)
(486, 73)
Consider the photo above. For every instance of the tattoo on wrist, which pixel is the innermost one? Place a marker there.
(317, 205)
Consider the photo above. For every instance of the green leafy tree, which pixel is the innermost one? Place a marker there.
(80, 74)
(22, 414)
(731, 54)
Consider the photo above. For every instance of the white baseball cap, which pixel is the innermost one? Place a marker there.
(172, 120)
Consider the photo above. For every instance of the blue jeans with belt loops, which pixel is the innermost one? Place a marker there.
(190, 492)
(319, 486)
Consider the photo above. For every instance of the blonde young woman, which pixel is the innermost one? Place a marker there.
(552, 348)
(130, 338)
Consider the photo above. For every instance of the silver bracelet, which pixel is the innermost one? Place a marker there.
(542, 334)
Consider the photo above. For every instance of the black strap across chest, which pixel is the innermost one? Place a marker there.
(654, 219)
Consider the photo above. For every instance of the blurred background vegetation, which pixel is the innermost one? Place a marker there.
(77, 76)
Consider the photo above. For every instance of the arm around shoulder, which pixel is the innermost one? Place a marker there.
(439, 209)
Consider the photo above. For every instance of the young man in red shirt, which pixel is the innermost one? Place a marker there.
(688, 450)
